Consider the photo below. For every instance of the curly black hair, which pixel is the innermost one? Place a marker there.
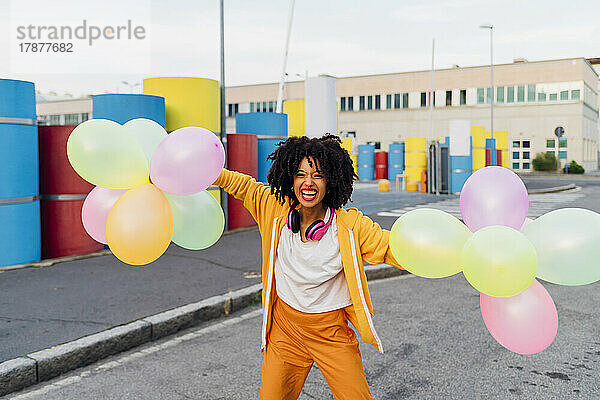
(332, 160)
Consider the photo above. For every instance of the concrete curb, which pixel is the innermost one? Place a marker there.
(19, 373)
(552, 189)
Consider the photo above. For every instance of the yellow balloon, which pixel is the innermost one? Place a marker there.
(140, 225)
(105, 154)
(428, 242)
(499, 261)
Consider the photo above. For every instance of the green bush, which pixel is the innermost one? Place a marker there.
(544, 162)
(573, 168)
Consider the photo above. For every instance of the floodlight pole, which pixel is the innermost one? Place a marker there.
(222, 135)
(491, 28)
(279, 107)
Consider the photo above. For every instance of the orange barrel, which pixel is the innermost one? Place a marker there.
(62, 194)
(242, 156)
(381, 165)
(415, 160)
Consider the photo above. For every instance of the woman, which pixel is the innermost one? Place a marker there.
(313, 276)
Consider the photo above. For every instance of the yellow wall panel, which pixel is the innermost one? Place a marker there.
(295, 111)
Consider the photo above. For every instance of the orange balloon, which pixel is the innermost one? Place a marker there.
(140, 225)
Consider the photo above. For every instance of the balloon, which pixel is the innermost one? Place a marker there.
(493, 196)
(568, 246)
(526, 323)
(187, 161)
(148, 133)
(104, 153)
(499, 261)
(199, 220)
(95, 211)
(525, 223)
(428, 242)
(140, 225)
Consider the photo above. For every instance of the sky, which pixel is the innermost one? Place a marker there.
(335, 37)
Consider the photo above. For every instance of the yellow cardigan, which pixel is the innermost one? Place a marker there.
(359, 237)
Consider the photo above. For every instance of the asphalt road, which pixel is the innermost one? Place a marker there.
(436, 347)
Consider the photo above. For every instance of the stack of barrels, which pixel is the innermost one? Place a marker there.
(395, 160)
(381, 165)
(415, 159)
(366, 162)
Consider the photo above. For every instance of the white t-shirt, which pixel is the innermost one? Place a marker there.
(309, 276)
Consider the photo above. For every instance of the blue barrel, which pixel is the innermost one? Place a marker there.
(124, 107)
(366, 162)
(270, 129)
(395, 160)
(461, 168)
(20, 238)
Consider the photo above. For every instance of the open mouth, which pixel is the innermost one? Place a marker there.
(308, 194)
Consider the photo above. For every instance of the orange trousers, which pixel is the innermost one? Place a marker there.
(298, 339)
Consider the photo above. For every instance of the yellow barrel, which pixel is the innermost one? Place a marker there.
(295, 111)
(355, 163)
(479, 134)
(216, 192)
(415, 161)
(502, 144)
(189, 101)
(384, 185)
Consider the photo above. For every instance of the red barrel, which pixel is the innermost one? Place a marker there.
(381, 165)
(62, 193)
(242, 156)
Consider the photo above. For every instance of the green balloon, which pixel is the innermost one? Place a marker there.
(428, 242)
(148, 133)
(104, 153)
(199, 220)
(499, 261)
(568, 246)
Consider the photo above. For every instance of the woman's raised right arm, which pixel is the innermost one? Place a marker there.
(257, 197)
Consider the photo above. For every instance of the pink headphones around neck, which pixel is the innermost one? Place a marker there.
(315, 231)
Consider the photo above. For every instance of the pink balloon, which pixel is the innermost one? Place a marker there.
(95, 211)
(187, 161)
(494, 196)
(526, 323)
(526, 222)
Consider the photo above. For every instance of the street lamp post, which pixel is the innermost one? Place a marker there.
(491, 28)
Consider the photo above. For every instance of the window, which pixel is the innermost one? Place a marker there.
(55, 120)
(515, 165)
(463, 97)
(397, 100)
(361, 103)
(500, 94)
(562, 143)
(510, 94)
(526, 144)
(343, 104)
(252, 107)
(85, 117)
(530, 92)
(377, 102)
(550, 143)
(480, 94)
(423, 99)
(525, 155)
(553, 97)
(448, 97)
(516, 155)
(516, 143)
(388, 101)
(369, 102)
(404, 100)
(71, 119)
(271, 106)
(350, 103)
(575, 94)
(488, 95)
(264, 108)
(520, 94)
(526, 165)
(541, 96)
(564, 95)
(229, 110)
(562, 155)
